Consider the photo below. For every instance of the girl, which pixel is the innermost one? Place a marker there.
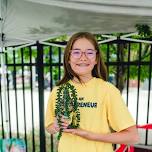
(100, 103)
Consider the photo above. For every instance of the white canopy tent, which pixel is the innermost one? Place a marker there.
(23, 22)
(26, 21)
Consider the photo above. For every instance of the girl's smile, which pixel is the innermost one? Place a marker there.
(82, 64)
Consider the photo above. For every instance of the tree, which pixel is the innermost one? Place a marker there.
(119, 52)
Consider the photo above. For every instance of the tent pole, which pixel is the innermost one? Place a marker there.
(3, 73)
(4, 91)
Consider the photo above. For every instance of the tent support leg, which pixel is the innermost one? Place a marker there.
(4, 93)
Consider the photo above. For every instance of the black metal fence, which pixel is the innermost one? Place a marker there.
(34, 70)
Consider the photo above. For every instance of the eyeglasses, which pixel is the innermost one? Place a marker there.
(88, 53)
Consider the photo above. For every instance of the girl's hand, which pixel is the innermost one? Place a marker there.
(53, 128)
(56, 126)
(64, 122)
(79, 132)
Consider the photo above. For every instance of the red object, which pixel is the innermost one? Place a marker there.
(148, 126)
(130, 148)
(123, 148)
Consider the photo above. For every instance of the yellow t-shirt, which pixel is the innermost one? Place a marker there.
(101, 108)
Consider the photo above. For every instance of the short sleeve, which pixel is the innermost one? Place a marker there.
(119, 117)
(50, 110)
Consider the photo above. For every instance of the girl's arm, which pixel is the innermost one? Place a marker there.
(127, 136)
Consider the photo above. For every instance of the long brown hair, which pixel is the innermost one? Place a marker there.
(99, 70)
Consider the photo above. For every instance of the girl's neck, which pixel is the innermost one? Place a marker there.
(83, 79)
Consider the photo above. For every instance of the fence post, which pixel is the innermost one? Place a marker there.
(40, 70)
